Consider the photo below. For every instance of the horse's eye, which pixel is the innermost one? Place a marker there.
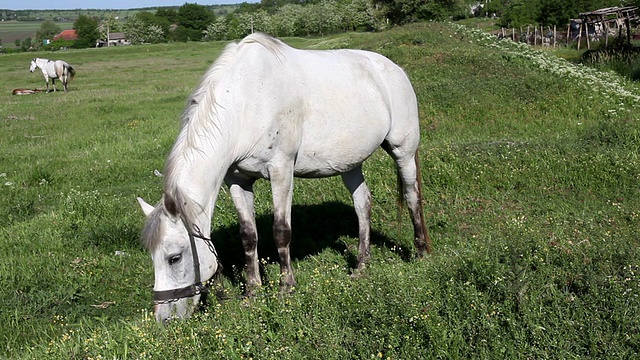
(174, 259)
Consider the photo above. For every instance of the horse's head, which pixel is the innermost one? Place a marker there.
(33, 65)
(182, 262)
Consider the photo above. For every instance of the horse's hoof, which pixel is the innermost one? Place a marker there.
(359, 271)
(250, 291)
(287, 287)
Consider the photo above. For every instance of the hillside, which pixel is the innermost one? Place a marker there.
(531, 170)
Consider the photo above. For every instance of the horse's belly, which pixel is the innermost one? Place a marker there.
(315, 168)
(312, 164)
(333, 158)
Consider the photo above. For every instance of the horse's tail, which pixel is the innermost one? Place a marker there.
(70, 70)
(428, 246)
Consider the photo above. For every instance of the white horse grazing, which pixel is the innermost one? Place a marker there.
(266, 110)
(53, 70)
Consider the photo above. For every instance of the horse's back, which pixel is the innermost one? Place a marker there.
(337, 106)
(56, 68)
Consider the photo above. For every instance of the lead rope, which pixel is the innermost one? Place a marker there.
(208, 241)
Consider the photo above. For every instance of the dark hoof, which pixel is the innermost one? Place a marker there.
(360, 270)
(250, 291)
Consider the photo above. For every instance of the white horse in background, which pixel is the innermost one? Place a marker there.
(267, 110)
(58, 69)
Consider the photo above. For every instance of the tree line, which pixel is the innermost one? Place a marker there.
(193, 22)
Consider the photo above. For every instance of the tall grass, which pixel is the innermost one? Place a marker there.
(531, 168)
(624, 60)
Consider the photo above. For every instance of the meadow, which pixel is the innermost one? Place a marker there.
(531, 170)
(10, 31)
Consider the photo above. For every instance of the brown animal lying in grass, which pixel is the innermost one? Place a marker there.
(26, 91)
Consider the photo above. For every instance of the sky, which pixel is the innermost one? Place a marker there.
(109, 4)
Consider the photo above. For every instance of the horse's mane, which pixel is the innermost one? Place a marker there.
(200, 123)
(152, 231)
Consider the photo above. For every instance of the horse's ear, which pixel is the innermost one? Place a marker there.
(170, 205)
(146, 208)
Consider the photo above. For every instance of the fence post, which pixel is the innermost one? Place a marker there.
(579, 36)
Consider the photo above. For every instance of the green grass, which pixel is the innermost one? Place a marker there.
(531, 168)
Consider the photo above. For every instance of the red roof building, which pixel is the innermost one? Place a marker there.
(66, 35)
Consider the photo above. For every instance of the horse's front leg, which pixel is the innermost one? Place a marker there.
(354, 181)
(53, 82)
(241, 190)
(281, 177)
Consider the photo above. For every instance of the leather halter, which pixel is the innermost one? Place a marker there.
(198, 287)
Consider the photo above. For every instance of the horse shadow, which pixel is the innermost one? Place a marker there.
(315, 228)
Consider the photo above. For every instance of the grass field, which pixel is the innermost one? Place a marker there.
(531, 171)
(10, 31)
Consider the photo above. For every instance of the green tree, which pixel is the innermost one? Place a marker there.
(139, 31)
(59, 44)
(168, 13)
(217, 30)
(405, 11)
(109, 25)
(361, 15)
(26, 44)
(288, 20)
(48, 29)
(257, 21)
(87, 30)
(156, 21)
(193, 20)
(322, 18)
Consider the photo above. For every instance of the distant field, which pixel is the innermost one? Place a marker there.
(73, 14)
(12, 30)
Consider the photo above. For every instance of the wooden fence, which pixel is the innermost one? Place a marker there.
(574, 34)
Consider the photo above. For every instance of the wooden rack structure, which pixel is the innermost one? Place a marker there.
(618, 17)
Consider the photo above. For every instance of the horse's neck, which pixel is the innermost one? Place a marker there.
(196, 174)
(202, 153)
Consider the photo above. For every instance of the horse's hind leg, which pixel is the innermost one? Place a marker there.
(409, 174)
(281, 177)
(241, 190)
(354, 181)
(65, 78)
(53, 82)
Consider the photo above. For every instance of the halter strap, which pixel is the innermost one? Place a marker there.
(199, 287)
(160, 297)
(196, 258)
